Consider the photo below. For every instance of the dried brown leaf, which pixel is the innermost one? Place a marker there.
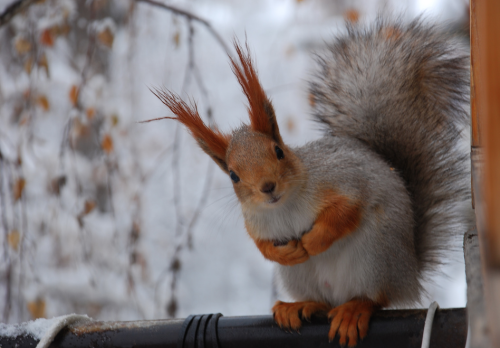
(28, 65)
(114, 120)
(73, 95)
(13, 239)
(351, 15)
(18, 188)
(22, 46)
(89, 206)
(90, 112)
(37, 308)
(107, 143)
(47, 37)
(177, 38)
(43, 102)
(61, 30)
(106, 37)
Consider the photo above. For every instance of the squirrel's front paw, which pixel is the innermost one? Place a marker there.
(315, 242)
(289, 254)
(287, 315)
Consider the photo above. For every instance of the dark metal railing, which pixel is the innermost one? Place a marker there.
(388, 328)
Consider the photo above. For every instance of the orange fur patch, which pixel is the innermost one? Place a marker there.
(209, 139)
(339, 217)
(287, 315)
(260, 108)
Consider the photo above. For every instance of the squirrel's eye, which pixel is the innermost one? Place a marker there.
(234, 177)
(279, 153)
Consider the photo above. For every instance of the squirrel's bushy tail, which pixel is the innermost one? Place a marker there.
(403, 89)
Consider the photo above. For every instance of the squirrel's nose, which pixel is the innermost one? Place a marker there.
(268, 187)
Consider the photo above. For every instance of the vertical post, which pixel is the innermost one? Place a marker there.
(485, 141)
(486, 112)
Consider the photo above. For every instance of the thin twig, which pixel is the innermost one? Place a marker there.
(23, 237)
(191, 71)
(13, 9)
(201, 204)
(176, 186)
(7, 258)
(109, 189)
(3, 207)
(91, 48)
(135, 232)
(17, 225)
(175, 262)
(176, 183)
(191, 16)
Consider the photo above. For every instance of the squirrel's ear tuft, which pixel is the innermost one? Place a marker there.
(260, 108)
(212, 141)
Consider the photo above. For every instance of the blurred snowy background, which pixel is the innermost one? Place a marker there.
(102, 215)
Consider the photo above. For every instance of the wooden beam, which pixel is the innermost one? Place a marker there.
(485, 114)
(485, 154)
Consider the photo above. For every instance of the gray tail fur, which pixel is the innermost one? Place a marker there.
(403, 90)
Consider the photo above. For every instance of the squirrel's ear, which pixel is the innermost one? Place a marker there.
(260, 109)
(212, 141)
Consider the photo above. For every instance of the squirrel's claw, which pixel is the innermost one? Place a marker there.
(349, 320)
(287, 315)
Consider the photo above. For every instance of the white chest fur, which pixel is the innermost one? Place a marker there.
(335, 276)
(284, 222)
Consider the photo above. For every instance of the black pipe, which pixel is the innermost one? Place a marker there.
(389, 328)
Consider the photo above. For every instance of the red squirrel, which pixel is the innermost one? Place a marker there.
(358, 218)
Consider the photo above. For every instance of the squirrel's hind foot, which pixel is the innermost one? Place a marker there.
(349, 319)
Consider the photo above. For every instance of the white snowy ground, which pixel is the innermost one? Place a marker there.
(224, 272)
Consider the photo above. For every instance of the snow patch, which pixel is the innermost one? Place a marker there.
(41, 329)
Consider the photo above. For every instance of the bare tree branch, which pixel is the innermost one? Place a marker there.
(8, 274)
(181, 229)
(13, 9)
(191, 16)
